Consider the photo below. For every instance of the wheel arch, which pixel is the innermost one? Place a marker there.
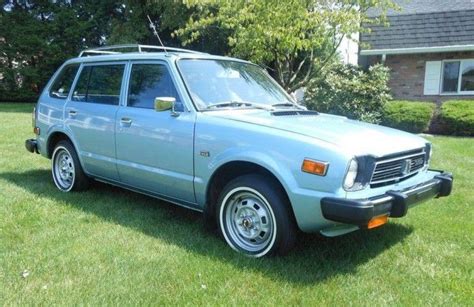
(54, 138)
(231, 170)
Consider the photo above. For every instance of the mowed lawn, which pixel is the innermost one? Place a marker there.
(112, 246)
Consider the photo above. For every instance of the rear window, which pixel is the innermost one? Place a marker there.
(100, 84)
(63, 82)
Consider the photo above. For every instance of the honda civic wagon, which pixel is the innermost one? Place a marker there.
(220, 136)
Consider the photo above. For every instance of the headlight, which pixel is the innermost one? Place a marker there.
(351, 175)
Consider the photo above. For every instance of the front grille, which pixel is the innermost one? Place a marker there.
(398, 167)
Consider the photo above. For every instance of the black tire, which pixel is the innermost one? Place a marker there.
(255, 218)
(69, 176)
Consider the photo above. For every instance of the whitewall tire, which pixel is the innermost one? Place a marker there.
(254, 217)
(66, 168)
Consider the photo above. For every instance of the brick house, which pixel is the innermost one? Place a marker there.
(429, 47)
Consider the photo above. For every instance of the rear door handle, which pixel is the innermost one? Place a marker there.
(125, 122)
(72, 113)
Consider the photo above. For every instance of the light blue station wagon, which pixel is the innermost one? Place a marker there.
(219, 135)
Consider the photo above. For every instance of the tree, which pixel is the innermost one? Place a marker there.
(36, 37)
(297, 38)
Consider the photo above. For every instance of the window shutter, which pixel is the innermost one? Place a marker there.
(432, 78)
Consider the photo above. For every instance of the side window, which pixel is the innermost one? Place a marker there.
(63, 82)
(99, 84)
(148, 81)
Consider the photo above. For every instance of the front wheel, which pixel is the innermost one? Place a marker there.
(66, 168)
(255, 218)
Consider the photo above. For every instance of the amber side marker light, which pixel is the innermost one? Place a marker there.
(36, 130)
(315, 167)
(377, 221)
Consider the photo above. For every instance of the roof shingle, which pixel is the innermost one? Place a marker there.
(410, 7)
(433, 29)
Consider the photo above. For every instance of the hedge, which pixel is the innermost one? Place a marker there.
(411, 116)
(457, 117)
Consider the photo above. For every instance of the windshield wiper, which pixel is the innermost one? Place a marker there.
(289, 104)
(239, 104)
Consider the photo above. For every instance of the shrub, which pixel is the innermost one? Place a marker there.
(350, 91)
(457, 117)
(411, 116)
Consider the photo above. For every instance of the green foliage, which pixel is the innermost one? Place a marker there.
(457, 117)
(131, 25)
(36, 38)
(411, 116)
(296, 39)
(350, 91)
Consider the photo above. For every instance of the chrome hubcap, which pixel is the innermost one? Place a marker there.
(248, 221)
(63, 169)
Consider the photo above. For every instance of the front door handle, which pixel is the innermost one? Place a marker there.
(72, 113)
(125, 122)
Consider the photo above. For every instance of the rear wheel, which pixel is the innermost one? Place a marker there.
(66, 169)
(254, 217)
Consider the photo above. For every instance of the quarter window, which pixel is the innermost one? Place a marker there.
(62, 84)
(458, 77)
(148, 81)
(100, 84)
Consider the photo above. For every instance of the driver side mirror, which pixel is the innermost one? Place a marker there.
(166, 103)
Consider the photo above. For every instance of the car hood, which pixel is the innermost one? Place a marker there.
(355, 137)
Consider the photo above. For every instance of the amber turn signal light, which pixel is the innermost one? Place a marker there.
(315, 167)
(377, 221)
(36, 130)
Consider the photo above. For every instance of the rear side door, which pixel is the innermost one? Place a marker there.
(155, 149)
(51, 103)
(90, 116)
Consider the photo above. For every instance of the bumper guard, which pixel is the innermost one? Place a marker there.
(31, 145)
(392, 203)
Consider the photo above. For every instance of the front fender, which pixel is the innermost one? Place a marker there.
(219, 141)
(279, 170)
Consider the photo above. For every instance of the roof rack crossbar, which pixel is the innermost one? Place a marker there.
(138, 47)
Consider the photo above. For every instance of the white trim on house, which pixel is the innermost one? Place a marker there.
(418, 50)
(349, 49)
(433, 76)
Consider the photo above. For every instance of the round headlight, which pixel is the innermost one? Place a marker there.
(351, 175)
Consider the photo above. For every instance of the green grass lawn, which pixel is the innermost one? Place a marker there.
(111, 246)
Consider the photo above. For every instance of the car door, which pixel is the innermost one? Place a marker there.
(90, 116)
(155, 149)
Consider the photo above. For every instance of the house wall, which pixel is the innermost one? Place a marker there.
(349, 50)
(408, 74)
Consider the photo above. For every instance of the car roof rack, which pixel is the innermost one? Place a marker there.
(118, 49)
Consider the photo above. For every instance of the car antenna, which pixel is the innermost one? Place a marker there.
(152, 26)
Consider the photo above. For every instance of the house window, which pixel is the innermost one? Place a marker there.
(467, 76)
(450, 77)
(458, 77)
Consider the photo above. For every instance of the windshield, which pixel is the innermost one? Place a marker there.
(230, 84)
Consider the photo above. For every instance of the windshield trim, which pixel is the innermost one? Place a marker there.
(229, 60)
